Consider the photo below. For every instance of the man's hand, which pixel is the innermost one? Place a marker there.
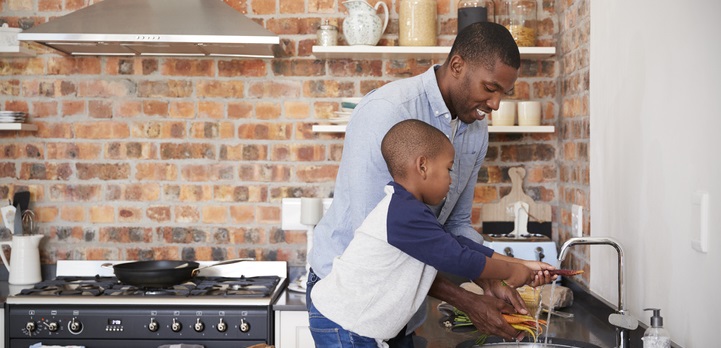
(483, 310)
(508, 294)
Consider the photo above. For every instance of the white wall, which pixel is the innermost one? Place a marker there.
(655, 140)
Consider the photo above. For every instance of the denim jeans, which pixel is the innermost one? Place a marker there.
(328, 334)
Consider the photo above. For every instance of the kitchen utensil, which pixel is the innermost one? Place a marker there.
(24, 265)
(161, 274)
(28, 222)
(18, 222)
(8, 216)
(21, 200)
(363, 26)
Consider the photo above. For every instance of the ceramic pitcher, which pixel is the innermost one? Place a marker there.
(24, 259)
(363, 26)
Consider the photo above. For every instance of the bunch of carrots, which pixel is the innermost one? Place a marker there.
(520, 322)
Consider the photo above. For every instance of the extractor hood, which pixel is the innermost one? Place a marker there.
(156, 28)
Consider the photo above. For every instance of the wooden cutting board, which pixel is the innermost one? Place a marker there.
(539, 212)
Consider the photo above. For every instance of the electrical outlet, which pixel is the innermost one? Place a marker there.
(577, 220)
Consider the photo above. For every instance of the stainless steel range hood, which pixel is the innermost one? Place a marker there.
(156, 28)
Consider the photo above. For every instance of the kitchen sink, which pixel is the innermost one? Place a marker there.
(552, 343)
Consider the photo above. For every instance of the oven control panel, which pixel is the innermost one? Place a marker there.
(126, 322)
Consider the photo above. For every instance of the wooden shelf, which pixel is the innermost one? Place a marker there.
(407, 52)
(18, 126)
(491, 129)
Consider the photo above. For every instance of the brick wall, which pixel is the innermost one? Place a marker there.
(169, 158)
(574, 124)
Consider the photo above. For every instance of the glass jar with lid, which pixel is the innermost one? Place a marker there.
(327, 34)
(522, 21)
(472, 11)
(417, 23)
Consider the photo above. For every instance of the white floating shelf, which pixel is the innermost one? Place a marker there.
(406, 52)
(18, 126)
(491, 129)
(16, 51)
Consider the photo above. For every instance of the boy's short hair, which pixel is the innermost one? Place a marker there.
(407, 140)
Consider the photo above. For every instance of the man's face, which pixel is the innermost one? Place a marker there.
(480, 90)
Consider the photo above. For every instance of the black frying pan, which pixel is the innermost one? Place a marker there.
(160, 274)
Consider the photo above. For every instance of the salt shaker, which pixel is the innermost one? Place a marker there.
(327, 34)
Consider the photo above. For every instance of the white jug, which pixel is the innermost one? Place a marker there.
(24, 259)
(363, 26)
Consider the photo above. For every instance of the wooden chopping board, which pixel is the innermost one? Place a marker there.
(539, 212)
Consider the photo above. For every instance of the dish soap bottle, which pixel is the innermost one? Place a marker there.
(656, 336)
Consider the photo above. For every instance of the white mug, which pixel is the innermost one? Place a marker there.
(505, 115)
(529, 113)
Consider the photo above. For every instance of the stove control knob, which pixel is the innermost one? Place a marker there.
(244, 326)
(222, 326)
(53, 326)
(75, 326)
(508, 251)
(199, 326)
(176, 326)
(30, 326)
(153, 326)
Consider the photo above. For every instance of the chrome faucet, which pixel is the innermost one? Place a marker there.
(621, 320)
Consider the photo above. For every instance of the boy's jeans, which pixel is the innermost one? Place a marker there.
(328, 334)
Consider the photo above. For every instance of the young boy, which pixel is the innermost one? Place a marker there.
(384, 275)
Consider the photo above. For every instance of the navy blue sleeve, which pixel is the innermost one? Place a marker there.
(413, 229)
(475, 246)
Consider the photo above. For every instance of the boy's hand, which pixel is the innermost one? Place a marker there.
(520, 275)
(542, 275)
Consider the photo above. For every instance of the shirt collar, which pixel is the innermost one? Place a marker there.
(430, 85)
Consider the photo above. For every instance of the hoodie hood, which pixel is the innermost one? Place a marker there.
(156, 28)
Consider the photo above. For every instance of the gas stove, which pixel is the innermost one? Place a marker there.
(85, 305)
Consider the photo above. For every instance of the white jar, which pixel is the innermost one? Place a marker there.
(417, 23)
(327, 34)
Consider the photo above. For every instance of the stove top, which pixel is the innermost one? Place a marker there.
(214, 287)
(255, 287)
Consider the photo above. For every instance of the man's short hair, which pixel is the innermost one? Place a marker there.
(484, 43)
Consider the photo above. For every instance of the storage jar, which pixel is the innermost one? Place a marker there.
(472, 11)
(327, 34)
(522, 21)
(417, 23)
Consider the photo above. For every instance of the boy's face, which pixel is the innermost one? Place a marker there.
(439, 176)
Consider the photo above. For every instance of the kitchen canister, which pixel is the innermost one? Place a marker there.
(363, 26)
(472, 11)
(417, 23)
(327, 34)
(522, 21)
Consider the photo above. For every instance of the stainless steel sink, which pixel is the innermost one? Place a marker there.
(552, 343)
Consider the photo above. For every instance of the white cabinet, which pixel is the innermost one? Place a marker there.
(18, 126)
(292, 330)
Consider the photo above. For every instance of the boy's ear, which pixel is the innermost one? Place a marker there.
(422, 166)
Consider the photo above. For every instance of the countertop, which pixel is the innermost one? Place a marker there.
(589, 324)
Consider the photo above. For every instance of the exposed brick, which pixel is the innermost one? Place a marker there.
(156, 171)
(10, 88)
(204, 130)
(195, 193)
(159, 130)
(240, 110)
(73, 66)
(186, 214)
(271, 89)
(327, 88)
(229, 193)
(321, 6)
(15, 67)
(268, 131)
(186, 151)
(102, 214)
(187, 67)
(247, 152)
(261, 7)
(100, 109)
(46, 214)
(317, 173)
(134, 150)
(181, 109)
(298, 67)
(44, 109)
(268, 214)
(296, 109)
(72, 213)
(105, 88)
(45, 171)
(263, 172)
(242, 67)
(129, 214)
(140, 192)
(165, 89)
(209, 109)
(72, 107)
(353, 68)
(101, 130)
(485, 194)
(292, 6)
(267, 111)
(220, 89)
(214, 214)
(155, 107)
(87, 171)
(129, 108)
(159, 213)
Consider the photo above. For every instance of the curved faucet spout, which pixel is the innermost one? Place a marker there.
(606, 241)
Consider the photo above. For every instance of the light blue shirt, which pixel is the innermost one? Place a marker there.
(363, 174)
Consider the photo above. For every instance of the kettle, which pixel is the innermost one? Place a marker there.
(363, 26)
(24, 259)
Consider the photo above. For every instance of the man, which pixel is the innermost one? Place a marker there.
(481, 68)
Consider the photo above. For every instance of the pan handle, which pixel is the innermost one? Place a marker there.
(226, 262)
